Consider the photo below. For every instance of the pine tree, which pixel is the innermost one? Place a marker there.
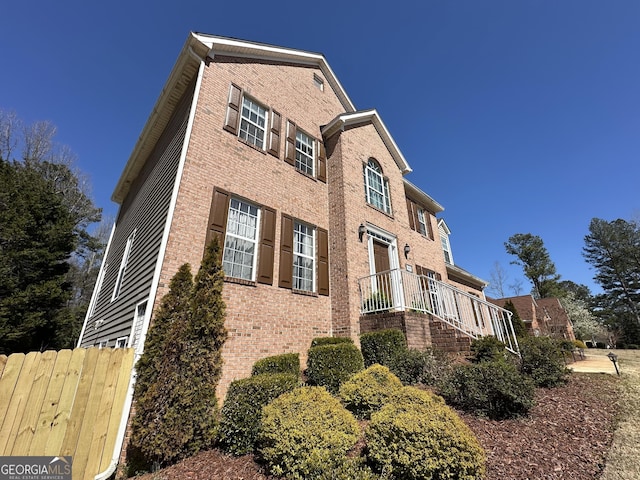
(175, 394)
(518, 325)
(534, 258)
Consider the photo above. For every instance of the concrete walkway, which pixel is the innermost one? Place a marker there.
(593, 364)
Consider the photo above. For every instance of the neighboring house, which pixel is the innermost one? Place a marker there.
(322, 235)
(542, 316)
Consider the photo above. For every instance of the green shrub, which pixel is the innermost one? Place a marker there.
(330, 365)
(543, 361)
(381, 346)
(494, 389)
(350, 469)
(368, 390)
(306, 432)
(242, 409)
(175, 393)
(419, 367)
(487, 349)
(418, 437)
(285, 363)
(319, 341)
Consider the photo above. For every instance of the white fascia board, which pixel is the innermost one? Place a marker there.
(369, 116)
(423, 196)
(442, 224)
(260, 51)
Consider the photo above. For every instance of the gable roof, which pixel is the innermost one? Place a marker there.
(372, 117)
(196, 49)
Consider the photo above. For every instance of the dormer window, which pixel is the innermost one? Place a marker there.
(444, 239)
(376, 186)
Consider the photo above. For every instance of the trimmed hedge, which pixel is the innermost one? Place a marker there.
(330, 365)
(319, 341)
(381, 346)
(285, 363)
(417, 437)
(242, 409)
(543, 361)
(306, 432)
(488, 349)
(419, 367)
(368, 390)
(494, 389)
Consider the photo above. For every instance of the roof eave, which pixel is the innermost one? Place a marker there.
(340, 122)
(186, 66)
(422, 197)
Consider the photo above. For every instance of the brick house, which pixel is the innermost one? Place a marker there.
(542, 316)
(323, 235)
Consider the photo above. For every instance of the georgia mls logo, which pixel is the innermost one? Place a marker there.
(35, 468)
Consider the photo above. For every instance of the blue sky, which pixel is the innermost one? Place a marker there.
(517, 116)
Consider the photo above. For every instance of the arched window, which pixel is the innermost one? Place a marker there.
(376, 187)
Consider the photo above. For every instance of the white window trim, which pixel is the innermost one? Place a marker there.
(386, 199)
(265, 129)
(134, 339)
(422, 222)
(103, 343)
(117, 288)
(256, 240)
(313, 256)
(312, 157)
(122, 342)
(94, 302)
(446, 247)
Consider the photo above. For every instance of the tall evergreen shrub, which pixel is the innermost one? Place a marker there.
(175, 393)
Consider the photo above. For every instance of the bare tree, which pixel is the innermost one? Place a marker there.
(10, 124)
(497, 280)
(516, 286)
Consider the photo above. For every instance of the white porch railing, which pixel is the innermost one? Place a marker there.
(398, 290)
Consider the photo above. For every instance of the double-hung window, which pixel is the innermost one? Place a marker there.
(253, 123)
(241, 240)
(304, 257)
(305, 158)
(422, 222)
(446, 248)
(376, 187)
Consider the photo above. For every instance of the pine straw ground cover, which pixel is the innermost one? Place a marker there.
(566, 436)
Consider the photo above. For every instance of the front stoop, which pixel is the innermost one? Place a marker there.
(421, 330)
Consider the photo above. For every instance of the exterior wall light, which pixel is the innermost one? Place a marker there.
(407, 249)
(361, 231)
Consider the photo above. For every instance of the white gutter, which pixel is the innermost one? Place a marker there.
(126, 411)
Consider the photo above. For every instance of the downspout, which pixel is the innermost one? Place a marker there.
(126, 411)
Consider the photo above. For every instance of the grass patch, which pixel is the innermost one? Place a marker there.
(623, 459)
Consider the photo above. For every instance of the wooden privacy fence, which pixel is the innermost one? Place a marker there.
(64, 403)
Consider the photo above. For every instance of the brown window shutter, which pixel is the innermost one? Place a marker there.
(419, 270)
(412, 218)
(267, 245)
(274, 135)
(322, 162)
(233, 109)
(323, 262)
(290, 148)
(218, 216)
(286, 253)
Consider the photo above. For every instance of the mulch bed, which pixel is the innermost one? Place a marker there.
(566, 436)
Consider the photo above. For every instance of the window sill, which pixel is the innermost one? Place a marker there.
(240, 281)
(251, 145)
(304, 292)
(390, 215)
(310, 177)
